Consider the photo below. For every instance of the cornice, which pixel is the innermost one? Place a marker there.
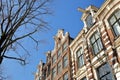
(102, 8)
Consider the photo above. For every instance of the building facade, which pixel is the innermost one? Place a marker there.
(58, 63)
(94, 54)
(95, 51)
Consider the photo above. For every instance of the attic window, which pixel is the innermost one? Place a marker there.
(89, 20)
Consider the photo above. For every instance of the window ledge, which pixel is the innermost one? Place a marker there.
(81, 70)
(99, 55)
(117, 42)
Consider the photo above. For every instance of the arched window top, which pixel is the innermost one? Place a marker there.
(114, 21)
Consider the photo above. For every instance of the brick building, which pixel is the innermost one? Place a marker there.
(58, 63)
(95, 51)
(94, 54)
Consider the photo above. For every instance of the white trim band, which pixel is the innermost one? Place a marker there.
(109, 47)
(104, 33)
(110, 53)
(107, 42)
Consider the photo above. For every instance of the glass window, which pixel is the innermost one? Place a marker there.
(117, 14)
(104, 72)
(64, 46)
(65, 61)
(80, 57)
(54, 59)
(114, 21)
(59, 53)
(39, 78)
(96, 42)
(89, 20)
(84, 78)
(59, 67)
(53, 72)
(65, 77)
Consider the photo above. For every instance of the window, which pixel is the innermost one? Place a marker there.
(65, 61)
(53, 72)
(59, 53)
(39, 78)
(89, 20)
(54, 59)
(114, 21)
(96, 42)
(59, 67)
(104, 72)
(65, 77)
(80, 57)
(64, 46)
(84, 78)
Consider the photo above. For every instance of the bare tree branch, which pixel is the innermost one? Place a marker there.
(17, 15)
(15, 58)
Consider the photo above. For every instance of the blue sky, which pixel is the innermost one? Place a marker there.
(65, 16)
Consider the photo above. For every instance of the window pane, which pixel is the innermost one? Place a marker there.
(79, 52)
(54, 59)
(96, 42)
(84, 78)
(99, 44)
(59, 67)
(82, 60)
(104, 72)
(117, 14)
(54, 72)
(92, 39)
(96, 35)
(65, 61)
(65, 46)
(95, 48)
(115, 22)
(80, 57)
(89, 20)
(109, 76)
(65, 76)
(107, 67)
(112, 20)
(116, 28)
(59, 53)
